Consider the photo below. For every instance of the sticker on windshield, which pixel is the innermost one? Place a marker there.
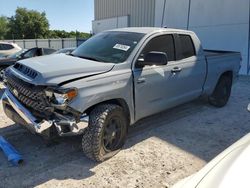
(121, 47)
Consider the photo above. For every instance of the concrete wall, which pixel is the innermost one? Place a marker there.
(109, 23)
(220, 24)
(140, 12)
(171, 13)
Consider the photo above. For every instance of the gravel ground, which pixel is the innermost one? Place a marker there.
(160, 150)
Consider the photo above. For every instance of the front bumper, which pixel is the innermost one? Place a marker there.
(21, 115)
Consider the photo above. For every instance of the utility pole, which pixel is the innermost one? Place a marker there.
(189, 9)
(163, 13)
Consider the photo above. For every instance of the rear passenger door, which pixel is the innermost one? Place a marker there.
(192, 68)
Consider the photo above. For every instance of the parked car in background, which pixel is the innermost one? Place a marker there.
(24, 54)
(7, 49)
(229, 169)
(65, 51)
(113, 80)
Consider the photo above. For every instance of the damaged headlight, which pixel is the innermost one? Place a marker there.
(61, 97)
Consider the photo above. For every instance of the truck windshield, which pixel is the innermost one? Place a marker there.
(111, 46)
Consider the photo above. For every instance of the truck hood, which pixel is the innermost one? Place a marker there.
(59, 68)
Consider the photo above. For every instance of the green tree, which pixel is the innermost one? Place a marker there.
(65, 34)
(83, 35)
(3, 27)
(28, 24)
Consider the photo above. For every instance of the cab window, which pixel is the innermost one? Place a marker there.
(8, 47)
(163, 43)
(30, 53)
(186, 46)
(48, 51)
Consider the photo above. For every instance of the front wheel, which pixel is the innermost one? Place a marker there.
(106, 133)
(222, 92)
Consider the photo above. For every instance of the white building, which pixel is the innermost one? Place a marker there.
(220, 24)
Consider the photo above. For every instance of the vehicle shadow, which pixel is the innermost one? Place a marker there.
(197, 127)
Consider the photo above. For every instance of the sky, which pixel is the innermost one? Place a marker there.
(69, 15)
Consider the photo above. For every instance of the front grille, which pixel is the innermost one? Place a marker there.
(31, 96)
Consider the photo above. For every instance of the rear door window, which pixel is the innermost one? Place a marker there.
(186, 46)
(7, 46)
(30, 53)
(48, 51)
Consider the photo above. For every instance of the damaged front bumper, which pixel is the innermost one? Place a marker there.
(21, 115)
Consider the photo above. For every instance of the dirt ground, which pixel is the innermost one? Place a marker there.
(160, 150)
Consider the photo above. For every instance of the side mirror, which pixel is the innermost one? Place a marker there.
(153, 58)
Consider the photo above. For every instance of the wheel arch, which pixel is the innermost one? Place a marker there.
(118, 101)
(222, 90)
(228, 74)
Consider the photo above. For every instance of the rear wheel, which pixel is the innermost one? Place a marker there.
(106, 133)
(222, 92)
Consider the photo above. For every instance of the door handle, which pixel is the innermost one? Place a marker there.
(141, 80)
(176, 69)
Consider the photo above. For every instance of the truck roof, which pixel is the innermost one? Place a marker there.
(148, 30)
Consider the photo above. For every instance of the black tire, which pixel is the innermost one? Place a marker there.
(222, 92)
(102, 140)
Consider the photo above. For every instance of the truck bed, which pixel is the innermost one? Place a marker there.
(216, 53)
(219, 62)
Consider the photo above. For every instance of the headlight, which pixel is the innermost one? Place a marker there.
(61, 97)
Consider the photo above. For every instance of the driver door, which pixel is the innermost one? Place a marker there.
(155, 85)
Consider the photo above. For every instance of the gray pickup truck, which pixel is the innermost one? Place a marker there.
(113, 80)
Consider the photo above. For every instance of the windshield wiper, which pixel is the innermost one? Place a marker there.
(71, 54)
(89, 58)
(86, 57)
